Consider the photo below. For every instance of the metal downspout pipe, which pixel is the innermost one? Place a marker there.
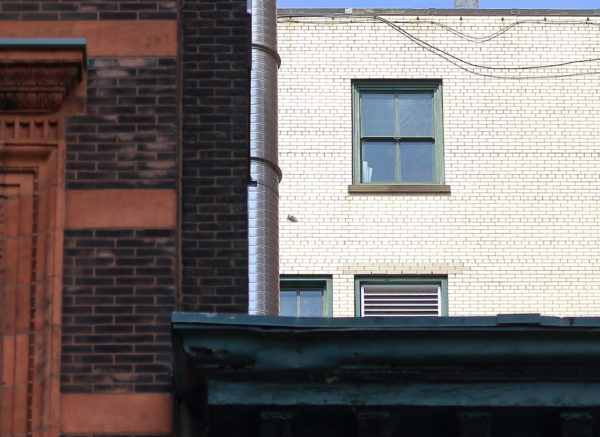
(263, 192)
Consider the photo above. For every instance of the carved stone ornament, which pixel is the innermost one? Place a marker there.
(28, 86)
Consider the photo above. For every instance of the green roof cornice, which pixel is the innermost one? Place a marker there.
(519, 360)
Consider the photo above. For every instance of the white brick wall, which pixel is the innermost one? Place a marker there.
(519, 231)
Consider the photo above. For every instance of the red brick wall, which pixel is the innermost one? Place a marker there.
(157, 118)
(88, 10)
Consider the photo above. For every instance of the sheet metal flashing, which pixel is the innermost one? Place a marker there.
(319, 12)
(45, 43)
(185, 320)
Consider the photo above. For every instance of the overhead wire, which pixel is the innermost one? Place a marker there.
(464, 64)
(472, 64)
(480, 39)
(501, 31)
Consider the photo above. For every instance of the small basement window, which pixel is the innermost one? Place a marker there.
(305, 297)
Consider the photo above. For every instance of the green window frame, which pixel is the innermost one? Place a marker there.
(410, 296)
(312, 284)
(410, 137)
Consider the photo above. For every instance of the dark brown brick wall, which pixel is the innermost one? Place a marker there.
(120, 284)
(215, 127)
(49, 10)
(119, 292)
(127, 139)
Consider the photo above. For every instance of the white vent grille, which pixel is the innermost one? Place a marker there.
(388, 300)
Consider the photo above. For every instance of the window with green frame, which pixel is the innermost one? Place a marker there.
(405, 296)
(305, 297)
(397, 127)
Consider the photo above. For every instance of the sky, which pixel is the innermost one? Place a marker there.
(402, 4)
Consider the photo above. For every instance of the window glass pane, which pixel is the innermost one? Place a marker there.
(311, 303)
(377, 115)
(287, 303)
(416, 162)
(416, 115)
(378, 162)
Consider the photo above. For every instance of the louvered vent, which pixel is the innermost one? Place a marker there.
(388, 300)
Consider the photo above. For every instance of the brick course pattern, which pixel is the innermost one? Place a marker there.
(127, 138)
(215, 156)
(119, 292)
(519, 232)
(120, 435)
(49, 10)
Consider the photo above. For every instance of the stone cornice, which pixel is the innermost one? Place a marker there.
(38, 85)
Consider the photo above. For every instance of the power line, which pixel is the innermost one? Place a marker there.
(464, 64)
(471, 64)
(502, 30)
(453, 30)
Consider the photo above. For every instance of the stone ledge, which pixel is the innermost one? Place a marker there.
(406, 189)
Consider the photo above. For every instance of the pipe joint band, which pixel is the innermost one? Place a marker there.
(269, 50)
(269, 164)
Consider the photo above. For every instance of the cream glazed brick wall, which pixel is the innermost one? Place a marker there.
(520, 230)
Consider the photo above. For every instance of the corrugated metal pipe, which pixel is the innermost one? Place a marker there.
(263, 192)
(466, 4)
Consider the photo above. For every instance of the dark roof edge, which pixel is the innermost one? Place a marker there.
(318, 12)
(526, 321)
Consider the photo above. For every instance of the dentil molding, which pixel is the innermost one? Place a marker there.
(38, 79)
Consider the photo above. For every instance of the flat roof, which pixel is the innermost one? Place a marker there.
(523, 321)
(317, 12)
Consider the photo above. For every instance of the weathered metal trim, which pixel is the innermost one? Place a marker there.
(36, 43)
(46, 43)
(424, 394)
(202, 321)
(523, 360)
(289, 344)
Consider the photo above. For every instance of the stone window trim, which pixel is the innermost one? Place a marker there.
(398, 189)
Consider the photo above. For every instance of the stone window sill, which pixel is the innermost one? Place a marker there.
(404, 189)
